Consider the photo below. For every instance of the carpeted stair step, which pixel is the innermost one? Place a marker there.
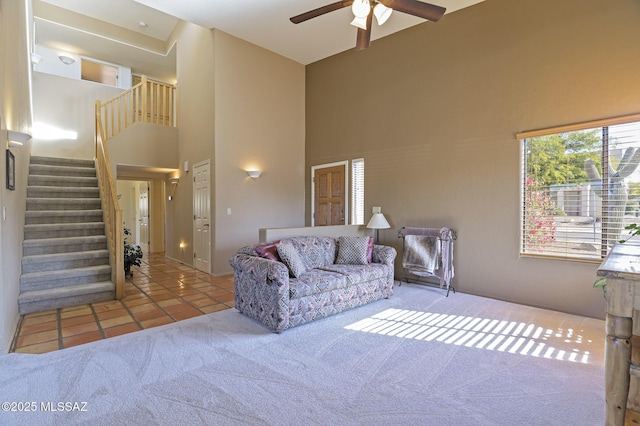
(58, 161)
(62, 261)
(62, 216)
(61, 230)
(63, 245)
(61, 297)
(62, 192)
(65, 258)
(70, 181)
(54, 279)
(63, 204)
(56, 170)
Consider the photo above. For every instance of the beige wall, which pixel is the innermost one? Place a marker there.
(15, 114)
(434, 111)
(239, 106)
(259, 125)
(195, 100)
(68, 104)
(144, 145)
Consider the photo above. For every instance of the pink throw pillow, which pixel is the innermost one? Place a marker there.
(269, 251)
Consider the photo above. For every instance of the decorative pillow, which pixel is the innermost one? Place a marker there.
(269, 251)
(353, 250)
(291, 258)
(370, 250)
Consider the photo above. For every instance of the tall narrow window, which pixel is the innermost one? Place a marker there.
(580, 188)
(357, 191)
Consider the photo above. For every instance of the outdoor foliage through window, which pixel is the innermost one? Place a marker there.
(580, 189)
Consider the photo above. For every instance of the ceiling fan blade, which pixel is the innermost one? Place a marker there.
(363, 39)
(320, 11)
(416, 8)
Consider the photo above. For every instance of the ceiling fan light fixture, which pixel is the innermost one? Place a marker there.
(361, 8)
(382, 13)
(360, 22)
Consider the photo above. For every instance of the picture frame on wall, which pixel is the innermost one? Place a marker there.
(11, 171)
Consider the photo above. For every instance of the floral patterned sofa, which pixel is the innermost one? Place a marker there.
(297, 280)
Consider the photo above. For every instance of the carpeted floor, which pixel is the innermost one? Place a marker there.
(416, 358)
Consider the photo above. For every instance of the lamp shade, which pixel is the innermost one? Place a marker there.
(360, 22)
(378, 221)
(361, 8)
(382, 13)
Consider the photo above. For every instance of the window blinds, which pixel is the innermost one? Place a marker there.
(580, 187)
(357, 191)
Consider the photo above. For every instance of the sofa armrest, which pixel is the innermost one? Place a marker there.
(384, 254)
(261, 289)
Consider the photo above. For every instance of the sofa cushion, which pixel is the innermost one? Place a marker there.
(269, 251)
(353, 250)
(291, 258)
(334, 277)
(315, 251)
(359, 273)
(316, 281)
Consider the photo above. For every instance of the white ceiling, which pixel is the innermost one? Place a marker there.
(261, 22)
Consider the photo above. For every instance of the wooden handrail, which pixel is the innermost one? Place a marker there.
(111, 208)
(147, 102)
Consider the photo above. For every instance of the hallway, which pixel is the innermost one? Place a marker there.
(160, 291)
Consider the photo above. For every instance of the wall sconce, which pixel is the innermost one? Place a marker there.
(35, 58)
(174, 180)
(67, 60)
(182, 245)
(253, 174)
(17, 139)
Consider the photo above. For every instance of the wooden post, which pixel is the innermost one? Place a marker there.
(119, 251)
(144, 99)
(617, 361)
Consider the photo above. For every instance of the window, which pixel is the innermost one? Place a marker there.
(357, 191)
(99, 72)
(580, 188)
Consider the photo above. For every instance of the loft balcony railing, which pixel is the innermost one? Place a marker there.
(146, 102)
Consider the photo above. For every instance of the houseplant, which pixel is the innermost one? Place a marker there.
(635, 231)
(132, 254)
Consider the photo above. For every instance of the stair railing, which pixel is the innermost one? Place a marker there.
(111, 208)
(147, 102)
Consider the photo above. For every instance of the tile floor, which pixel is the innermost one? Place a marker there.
(160, 291)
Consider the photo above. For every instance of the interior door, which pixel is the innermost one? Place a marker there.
(143, 208)
(201, 217)
(329, 203)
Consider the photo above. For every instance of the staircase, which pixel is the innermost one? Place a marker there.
(65, 258)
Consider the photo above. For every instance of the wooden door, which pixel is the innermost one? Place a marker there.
(329, 202)
(201, 217)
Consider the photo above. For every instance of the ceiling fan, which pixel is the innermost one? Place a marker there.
(364, 10)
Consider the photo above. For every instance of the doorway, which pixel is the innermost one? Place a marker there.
(134, 197)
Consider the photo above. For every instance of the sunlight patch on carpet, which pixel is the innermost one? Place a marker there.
(481, 333)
